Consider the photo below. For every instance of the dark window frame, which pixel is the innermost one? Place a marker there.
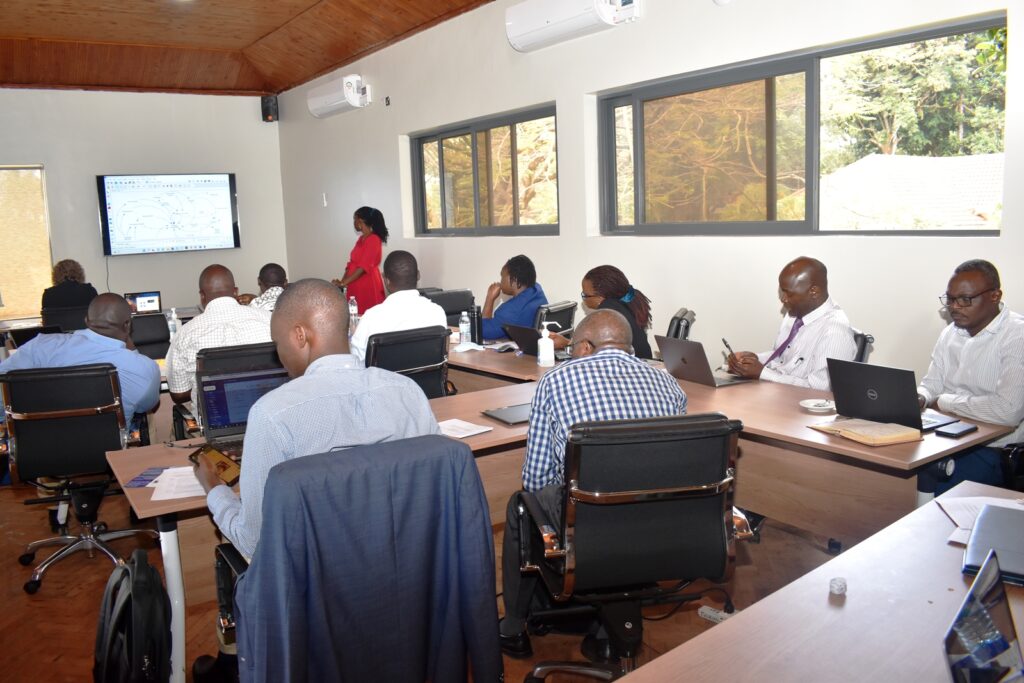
(472, 128)
(805, 61)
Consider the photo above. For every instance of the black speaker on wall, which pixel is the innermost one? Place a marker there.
(268, 103)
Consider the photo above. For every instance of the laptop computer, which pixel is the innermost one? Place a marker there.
(225, 399)
(143, 302)
(982, 644)
(880, 394)
(526, 339)
(511, 415)
(685, 359)
(998, 528)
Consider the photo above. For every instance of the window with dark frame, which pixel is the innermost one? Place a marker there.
(901, 135)
(494, 176)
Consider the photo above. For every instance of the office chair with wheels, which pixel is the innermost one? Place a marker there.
(453, 301)
(646, 501)
(561, 314)
(22, 335)
(864, 342)
(61, 423)
(151, 335)
(69, 318)
(680, 324)
(420, 354)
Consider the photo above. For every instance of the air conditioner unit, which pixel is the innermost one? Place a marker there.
(338, 95)
(536, 24)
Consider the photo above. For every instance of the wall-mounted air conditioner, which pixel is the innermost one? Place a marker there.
(535, 24)
(338, 95)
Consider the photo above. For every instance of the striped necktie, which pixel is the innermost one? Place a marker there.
(789, 340)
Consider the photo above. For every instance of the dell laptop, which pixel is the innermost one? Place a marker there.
(685, 359)
(225, 399)
(143, 302)
(526, 339)
(880, 394)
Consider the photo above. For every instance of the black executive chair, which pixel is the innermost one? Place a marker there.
(680, 324)
(864, 342)
(68, 319)
(648, 501)
(420, 354)
(453, 301)
(151, 335)
(22, 335)
(560, 313)
(61, 422)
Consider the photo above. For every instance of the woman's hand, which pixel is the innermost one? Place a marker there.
(493, 292)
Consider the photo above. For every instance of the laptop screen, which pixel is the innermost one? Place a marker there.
(227, 398)
(143, 302)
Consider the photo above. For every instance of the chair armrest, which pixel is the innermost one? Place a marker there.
(232, 558)
(542, 523)
(228, 567)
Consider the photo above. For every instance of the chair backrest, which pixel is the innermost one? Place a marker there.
(68, 319)
(453, 301)
(680, 324)
(23, 335)
(863, 340)
(62, 421)
(646, 500)
(420, 354)
(561, 313)
(151, 335)
(261, 356)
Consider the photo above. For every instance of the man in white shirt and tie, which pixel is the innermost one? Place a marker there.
(815, 328)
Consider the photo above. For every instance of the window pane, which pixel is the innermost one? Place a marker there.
(457, 154)
(494, 156)
(704, 155)
(912, 136)
(624, 188)
(23, 223)
(537, 168)
(431, 185)
(790, 146)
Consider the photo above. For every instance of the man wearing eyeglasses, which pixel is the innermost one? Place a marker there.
(977, 368)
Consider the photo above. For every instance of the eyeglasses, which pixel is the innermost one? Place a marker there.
(962, 301)
(584, 295)
(579, 342)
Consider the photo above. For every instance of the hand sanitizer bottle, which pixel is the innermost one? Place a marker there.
(545, 348)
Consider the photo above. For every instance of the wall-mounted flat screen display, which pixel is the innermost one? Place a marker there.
(156, 214)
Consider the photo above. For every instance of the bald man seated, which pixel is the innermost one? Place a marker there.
(602, 381)
(105, 339)
(814, 329)
(223, 322)
(332, 403)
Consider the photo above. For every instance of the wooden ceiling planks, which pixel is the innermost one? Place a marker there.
(212, 46)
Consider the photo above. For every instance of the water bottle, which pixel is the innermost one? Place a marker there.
(353, 314)
(476, 329)
(465, 328)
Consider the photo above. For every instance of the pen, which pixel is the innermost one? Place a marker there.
(728, 348)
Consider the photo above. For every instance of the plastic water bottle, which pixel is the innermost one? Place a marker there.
(465, 328)
(353, 314)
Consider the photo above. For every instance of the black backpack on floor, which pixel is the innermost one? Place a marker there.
(133, 637)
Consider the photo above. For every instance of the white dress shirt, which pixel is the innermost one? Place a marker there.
(268, 299)
(225, 322)
(826, 334)
(402, 310)
(981, 377)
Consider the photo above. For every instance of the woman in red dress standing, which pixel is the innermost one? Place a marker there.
(362, 274)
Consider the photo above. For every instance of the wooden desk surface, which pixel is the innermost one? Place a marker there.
(904, 586)
(490, 362)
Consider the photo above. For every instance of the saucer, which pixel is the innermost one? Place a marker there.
(818, 405)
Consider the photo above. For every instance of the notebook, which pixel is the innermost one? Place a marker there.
(685, 359)
(981, 643)
(526, 339)
(881, 394)
(1000, 529)
(143, 302)
(511, 415)
(224, 402)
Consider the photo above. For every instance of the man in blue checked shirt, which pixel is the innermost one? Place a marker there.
(603, 381)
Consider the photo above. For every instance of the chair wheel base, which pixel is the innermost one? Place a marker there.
(25, 559)
(31, 587)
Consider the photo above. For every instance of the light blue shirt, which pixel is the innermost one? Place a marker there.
(335, 405)
(139, 375)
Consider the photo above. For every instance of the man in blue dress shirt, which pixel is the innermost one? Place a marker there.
(519, 281)
(106, 339)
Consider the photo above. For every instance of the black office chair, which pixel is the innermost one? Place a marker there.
(560, 313)
(61, 423)
(646, 501)
(420, 354)
(67, 319)
(151, 335)
(23, 335)
(864, 342)
(680, 324)
(453, 301)
(429, 290)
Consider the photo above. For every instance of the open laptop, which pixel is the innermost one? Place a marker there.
(143, 302)
(880, 394)
(225, 399)
(981, 643)
(685, 359)
(526, 339)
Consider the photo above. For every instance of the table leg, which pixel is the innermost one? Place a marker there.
(167, 525)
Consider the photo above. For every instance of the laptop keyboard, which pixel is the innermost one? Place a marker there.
(232, 448)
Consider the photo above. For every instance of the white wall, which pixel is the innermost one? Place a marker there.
(78, 135)
(464, 68)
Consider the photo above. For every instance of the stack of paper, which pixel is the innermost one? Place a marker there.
(460, 429)
(867, 432)
(176, 482)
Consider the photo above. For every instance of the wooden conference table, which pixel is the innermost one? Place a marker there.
(904, 586)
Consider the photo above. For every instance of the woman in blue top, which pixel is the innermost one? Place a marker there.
(519, 281)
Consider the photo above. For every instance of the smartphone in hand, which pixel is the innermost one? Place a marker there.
(227, 469)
